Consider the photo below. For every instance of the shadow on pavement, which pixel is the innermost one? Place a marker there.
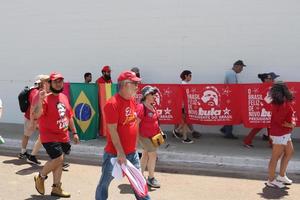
(16, 161)
(273, 193)
(37, 197)
(30, 170)
(125, 189)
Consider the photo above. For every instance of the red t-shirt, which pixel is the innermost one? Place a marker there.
(280, 114)
(102, 80)
(122, 112)
(33, 92)
(149, 121)
(54, 122)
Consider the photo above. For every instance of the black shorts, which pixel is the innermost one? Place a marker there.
(56, 149)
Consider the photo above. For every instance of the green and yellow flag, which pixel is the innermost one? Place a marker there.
(84, 101)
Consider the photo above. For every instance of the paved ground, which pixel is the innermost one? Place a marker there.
(17, 183)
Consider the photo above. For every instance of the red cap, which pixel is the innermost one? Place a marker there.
(55, 76)
(128, 75)
(106, 68)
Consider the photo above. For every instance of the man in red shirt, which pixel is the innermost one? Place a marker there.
(30, 125)
(105, 78)
(121, 118)
(55, 117)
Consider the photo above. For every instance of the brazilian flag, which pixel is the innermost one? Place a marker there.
(84, 101)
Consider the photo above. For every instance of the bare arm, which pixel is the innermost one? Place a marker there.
(36, 109)
(117, 143)
(74, 131)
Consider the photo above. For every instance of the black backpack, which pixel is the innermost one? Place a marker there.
(23, 98)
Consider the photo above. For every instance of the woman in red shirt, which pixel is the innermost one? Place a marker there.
(282, 124)
(148, 127)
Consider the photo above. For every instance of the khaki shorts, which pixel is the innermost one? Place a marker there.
(147, 144)
(29, 128)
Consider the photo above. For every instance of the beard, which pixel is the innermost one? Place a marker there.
(56, 91)
(107, 77)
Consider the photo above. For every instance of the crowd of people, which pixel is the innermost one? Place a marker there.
(51, 114)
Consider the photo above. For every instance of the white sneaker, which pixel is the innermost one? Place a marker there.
(284, 179)
(275, 184)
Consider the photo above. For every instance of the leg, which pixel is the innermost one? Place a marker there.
(36, 146)
(288, 153)
(151, 163)
(144, 161)
(277, 152)
(249, 138)
(106, 178)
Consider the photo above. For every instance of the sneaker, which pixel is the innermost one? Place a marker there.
(284, 179)
(196, 134)
(249, 146)
(59, 192)
(2, 141)
(39, 184)
(32, 159)
(152, 182)
(187, 141)
(275, 184)
(176, 134)
(265, 137)
(66, 165)
(23, 155)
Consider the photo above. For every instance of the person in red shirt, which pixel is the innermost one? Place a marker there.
(265, 78)
(55, 117)
(121, 117)
(30, 125)
(106, 75)
(148, 127)
(282, 124)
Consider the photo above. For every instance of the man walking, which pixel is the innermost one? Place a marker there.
(231, 78)
(121, 117)
(55, 118)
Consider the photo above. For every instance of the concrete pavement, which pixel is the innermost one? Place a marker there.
(210, 153)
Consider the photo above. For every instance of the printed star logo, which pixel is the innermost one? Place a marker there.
(256, 91)
(293, 91)
(167, 111)
(226, 111)
(226, 91)
(167, 92)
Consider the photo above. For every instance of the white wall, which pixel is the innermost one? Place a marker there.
(162, 37)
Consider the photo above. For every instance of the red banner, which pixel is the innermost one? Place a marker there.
(214, 104)
(256, 105)
(295, 89)
(169, 102)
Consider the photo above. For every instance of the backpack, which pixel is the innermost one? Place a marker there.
(23, 98)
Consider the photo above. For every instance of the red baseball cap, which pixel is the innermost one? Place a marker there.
(55, 76)
(128, 75)
(106, 68)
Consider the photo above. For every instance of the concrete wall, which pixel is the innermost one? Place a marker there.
(162, 37)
